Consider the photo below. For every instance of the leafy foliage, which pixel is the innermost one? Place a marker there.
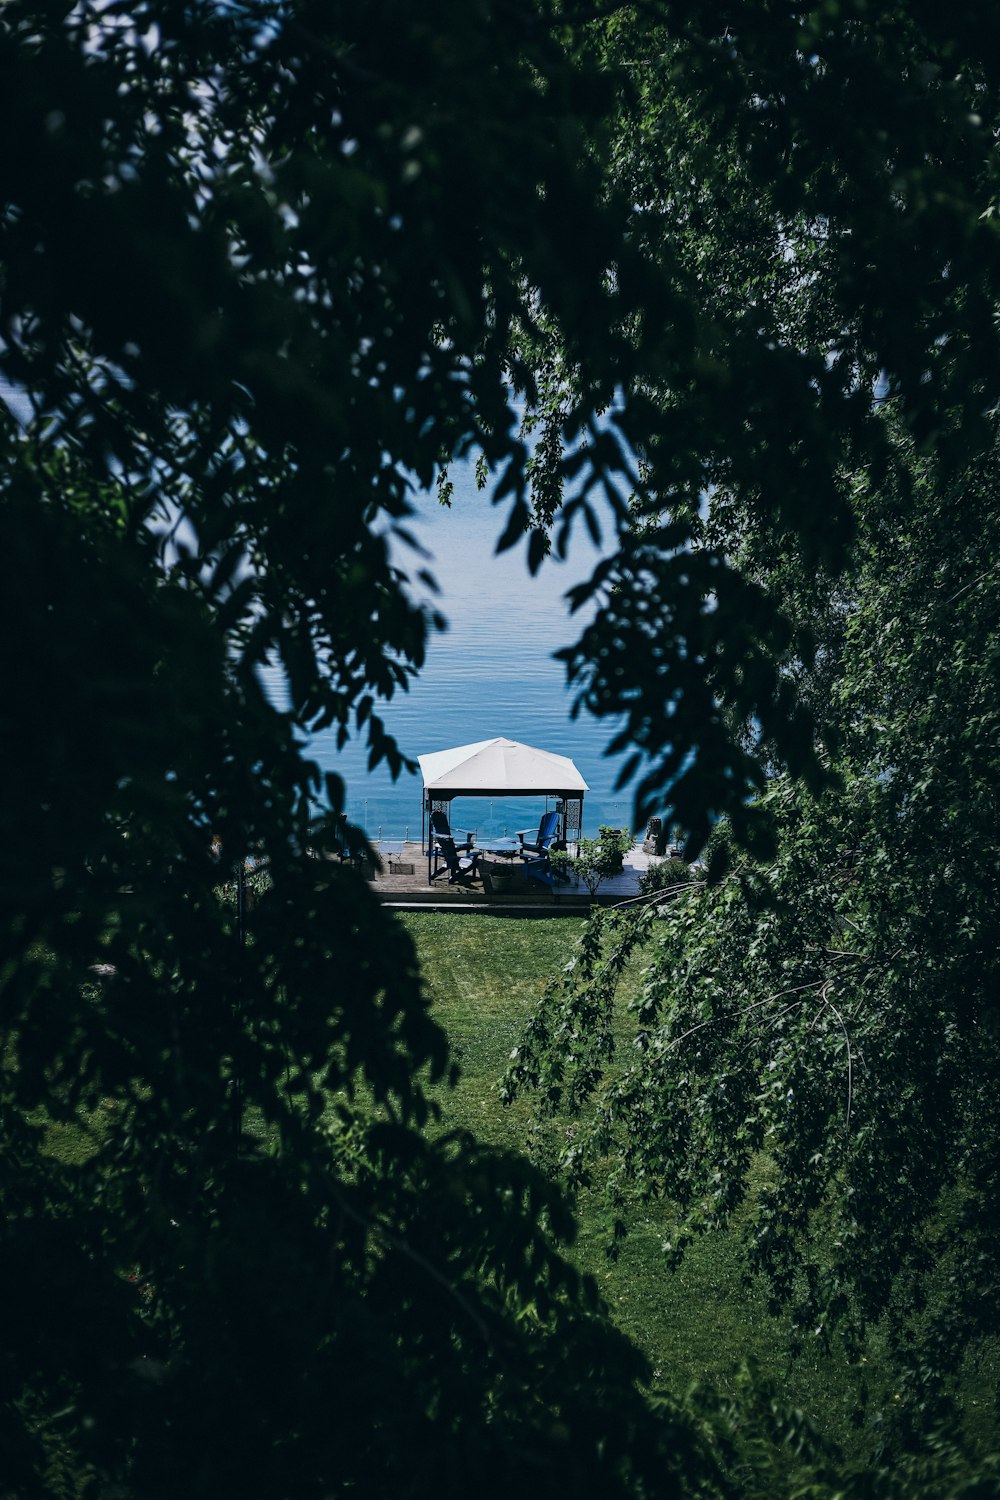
(814, 187)
(615, 842)
(664, 876)
(239, 320)
(592, 864)
(832, 1011)
(263, 267)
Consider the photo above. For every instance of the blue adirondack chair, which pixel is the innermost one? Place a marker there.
(447, 855)
(537, 867)
(535, 852)
(547, 830)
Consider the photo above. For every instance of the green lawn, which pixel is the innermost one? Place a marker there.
(484, 975)
(698, 1323)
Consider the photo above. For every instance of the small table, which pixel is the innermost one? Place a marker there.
(393, 851)
(505, 848)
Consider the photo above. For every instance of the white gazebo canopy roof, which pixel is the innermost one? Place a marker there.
(498, 766)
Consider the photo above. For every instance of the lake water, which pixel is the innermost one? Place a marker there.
(492, 673)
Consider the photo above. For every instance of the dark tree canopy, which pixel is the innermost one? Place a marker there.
(257, 266)
(816, 1038)
(826, 181)
(831, 1004)
(263, 267)
(816, 189)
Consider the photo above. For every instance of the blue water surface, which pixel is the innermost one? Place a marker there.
(492, 673)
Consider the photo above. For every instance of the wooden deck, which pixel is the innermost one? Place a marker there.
(402, 882)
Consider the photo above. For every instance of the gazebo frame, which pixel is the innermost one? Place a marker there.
(569, 806)
(569, 798)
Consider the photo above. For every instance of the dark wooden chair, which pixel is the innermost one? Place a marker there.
(334, 835)
(458, 860)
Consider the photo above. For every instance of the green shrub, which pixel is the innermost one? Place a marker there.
(592, 864)
(615, 844)
(658, 877)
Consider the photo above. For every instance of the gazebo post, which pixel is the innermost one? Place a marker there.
(425, 830)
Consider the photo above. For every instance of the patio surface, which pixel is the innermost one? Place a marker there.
(398, 885)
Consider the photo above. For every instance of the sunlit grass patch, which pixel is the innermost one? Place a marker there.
(698, 1322)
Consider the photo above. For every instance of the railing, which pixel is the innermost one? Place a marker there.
(616, 813)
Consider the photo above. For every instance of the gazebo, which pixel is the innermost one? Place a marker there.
(506, 768)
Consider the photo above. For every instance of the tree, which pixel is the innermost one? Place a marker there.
(819, 535)
(815, 187)
(263, 267)
(832, 1012)
(244, 316)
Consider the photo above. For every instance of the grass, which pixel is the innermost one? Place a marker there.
(697, 1323)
